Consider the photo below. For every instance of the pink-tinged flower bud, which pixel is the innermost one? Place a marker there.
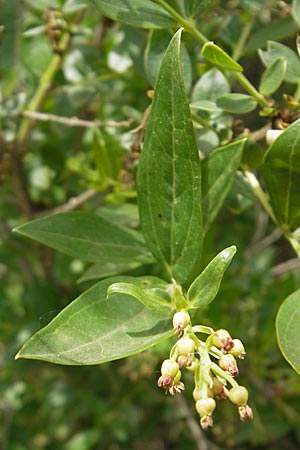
(181, 320)
(228, 363)
(219, 389)
(205, 406)
(169, 368)
(238, 349)
(245, 412)
(222, 339)
(185, 346)
(238, 395)
(184, 361)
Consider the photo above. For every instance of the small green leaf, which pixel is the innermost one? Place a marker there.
(219, 57)
(95, 330)
(287, 329)
(273, 76)
(137, 13)
(236, 103)
(150, 291)
(218, 172)
(86, 236)
(206, 286)
(276, 50)
(169, 174)
(281, 170)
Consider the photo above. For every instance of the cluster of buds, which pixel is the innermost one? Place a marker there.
(213, 363)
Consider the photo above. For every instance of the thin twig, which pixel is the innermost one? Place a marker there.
(75, 121)
(291, 264)
(71, 204)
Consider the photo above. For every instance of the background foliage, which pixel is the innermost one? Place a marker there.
(104, 76)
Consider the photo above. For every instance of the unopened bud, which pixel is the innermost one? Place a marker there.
(205, 406)
(228, 363)
(238, 395)
(169, 368)
(181, 320)
(238, 349)
(223, 340)
(219, 389)
(185, 346)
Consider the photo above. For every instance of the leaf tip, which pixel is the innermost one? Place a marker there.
(228, 253)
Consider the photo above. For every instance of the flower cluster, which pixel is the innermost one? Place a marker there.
(213, 363)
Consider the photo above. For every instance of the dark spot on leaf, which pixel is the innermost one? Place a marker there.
(159, 215)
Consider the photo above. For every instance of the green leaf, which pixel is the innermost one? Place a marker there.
(276, 50)
(236, 103)
(218, 57)
(94, 329)
(210, 86)
(273, 76)
(218, 172)
(279, 31)
(206, 286)
(150, 291)
(281, 171)
(86, 236)
(193, 8)
(169, 174)
(296, 11)
(287, 329)
(156, 46)
(137, 13)
(108, 269)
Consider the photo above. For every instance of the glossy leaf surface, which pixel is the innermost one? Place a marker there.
(205, 287)
(287, 327)
(150, 291)
(276, 50)
(281, 170)
(86, 236)
(137, 13)
(219, 169)
(169, 174)
(94, 329)
(214, 54)
(236, 103)
(273, 76)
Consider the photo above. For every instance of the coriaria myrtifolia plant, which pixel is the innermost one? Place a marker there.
(125, 315)
(180, 190)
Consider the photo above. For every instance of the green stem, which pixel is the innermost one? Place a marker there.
(43, 88)
(239, 47)
(259, 194)
(187, 24)
(190, 27)
(294, 243)
(240, 77)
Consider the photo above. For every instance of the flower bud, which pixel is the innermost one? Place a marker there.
(238, 349)
(228, 363)
(219, 389)
(181, 320)
(205, 406)
(238, 395)
(185, 346)
(169, 368)
(222, 339)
